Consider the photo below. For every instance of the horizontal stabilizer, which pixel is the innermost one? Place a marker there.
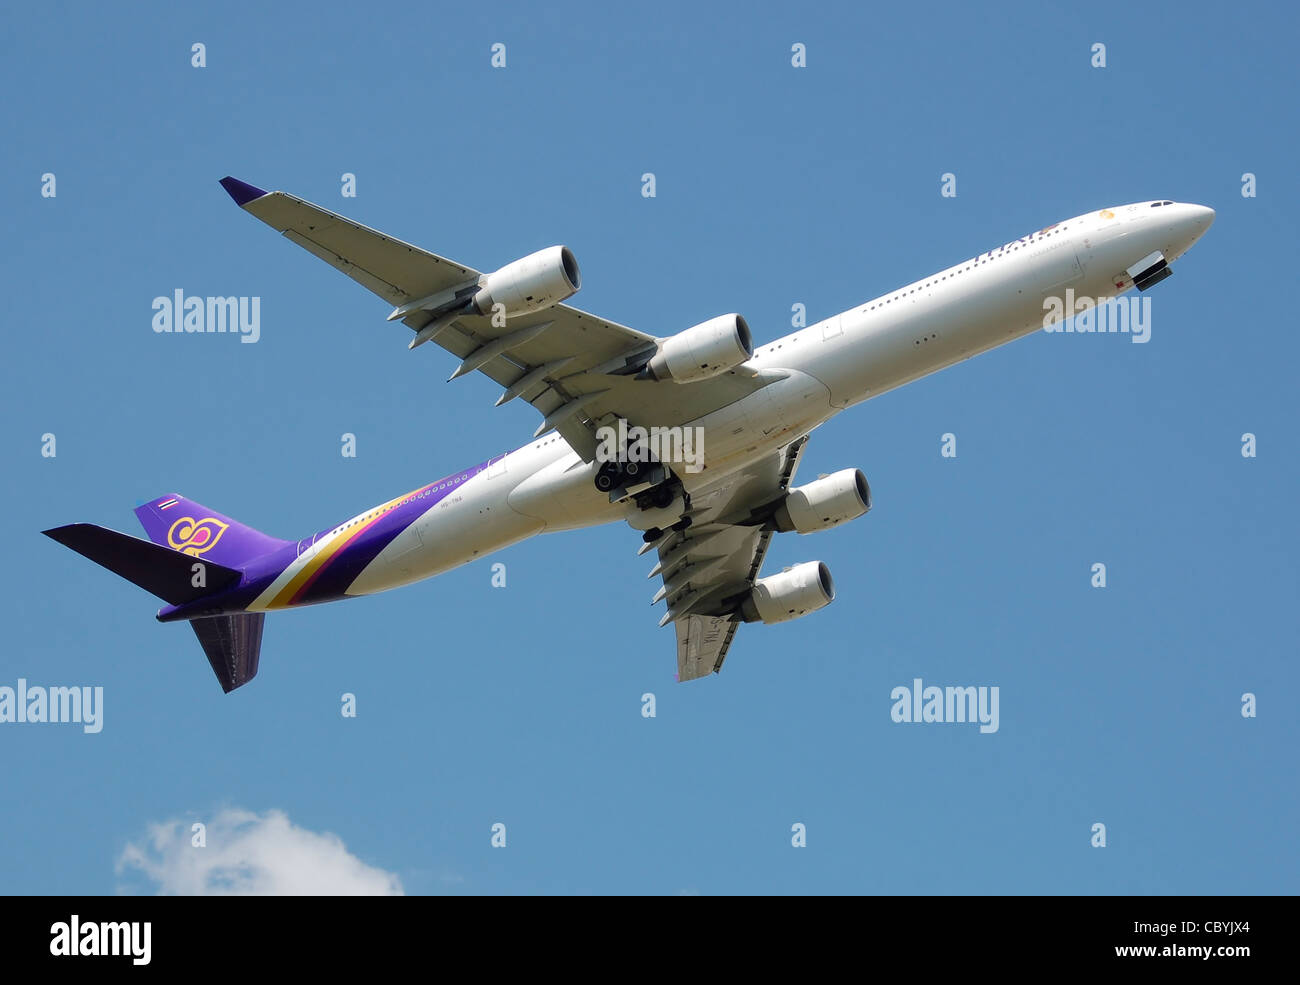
(232, 644)
(168, 574)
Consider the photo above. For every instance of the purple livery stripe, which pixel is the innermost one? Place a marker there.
(328, 575)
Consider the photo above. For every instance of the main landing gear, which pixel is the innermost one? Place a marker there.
(653, 497)
(614, 475)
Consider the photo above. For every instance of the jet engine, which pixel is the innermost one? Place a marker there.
(537, 281)
(824, 503)
(705, 350)
(793, 593)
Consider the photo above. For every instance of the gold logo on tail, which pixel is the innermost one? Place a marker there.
(191, 536)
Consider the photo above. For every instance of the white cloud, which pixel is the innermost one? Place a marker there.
(253, 854)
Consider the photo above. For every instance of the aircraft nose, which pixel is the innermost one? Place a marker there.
(1202, 215)
(1189, 224)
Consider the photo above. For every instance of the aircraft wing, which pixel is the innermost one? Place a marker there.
(563, 361)
(711, 564)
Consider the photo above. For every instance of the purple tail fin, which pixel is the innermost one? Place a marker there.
(184, 525)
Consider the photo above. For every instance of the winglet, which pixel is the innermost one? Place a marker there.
(241, 191)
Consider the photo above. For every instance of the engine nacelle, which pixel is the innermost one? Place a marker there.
(793, 593)
(537, 281)
(706, 350)
(824, 503)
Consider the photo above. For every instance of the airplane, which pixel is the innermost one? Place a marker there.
(600, 387)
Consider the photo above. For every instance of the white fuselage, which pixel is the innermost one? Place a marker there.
(843, 360)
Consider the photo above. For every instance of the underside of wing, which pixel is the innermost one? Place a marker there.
(575, 368)
(398, 272)
(710, 567)
(702, 644)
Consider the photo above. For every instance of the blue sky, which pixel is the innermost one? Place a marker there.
(521, 705)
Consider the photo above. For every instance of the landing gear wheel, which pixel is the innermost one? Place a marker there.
(608, 476)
